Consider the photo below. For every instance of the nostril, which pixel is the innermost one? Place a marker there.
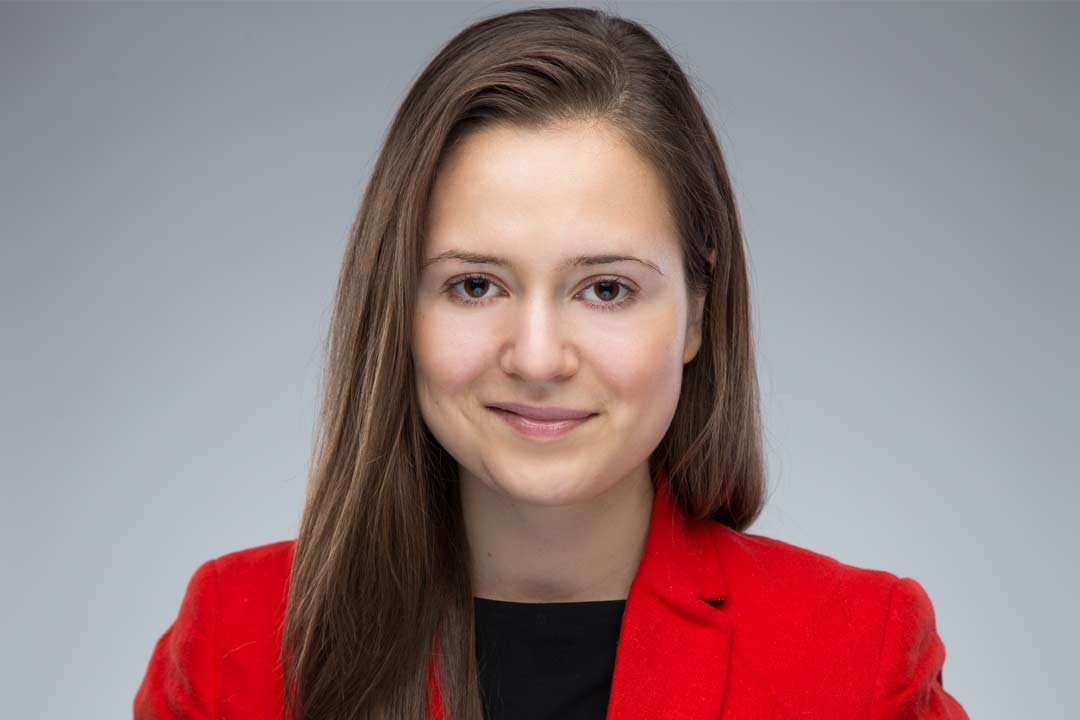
(715, 601)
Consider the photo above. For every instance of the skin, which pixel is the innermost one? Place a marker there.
(566, 519)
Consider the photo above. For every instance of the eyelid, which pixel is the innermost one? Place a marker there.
(632, 291)
(589, 281)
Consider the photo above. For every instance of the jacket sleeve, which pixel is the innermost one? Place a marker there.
(909, 674)
(181, 677)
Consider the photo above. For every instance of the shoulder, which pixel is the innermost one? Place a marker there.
(873, 628)
(220, 652)
(250, 602)
(754, 563)
(266, 563)
(811, 603)
(242, 594)
(252, 581)
(241, 572)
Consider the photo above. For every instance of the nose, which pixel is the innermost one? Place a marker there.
(537, 349)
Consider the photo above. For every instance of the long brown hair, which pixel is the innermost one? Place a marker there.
(380, 567)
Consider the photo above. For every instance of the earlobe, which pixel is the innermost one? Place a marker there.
(694, 331)
(692, 346)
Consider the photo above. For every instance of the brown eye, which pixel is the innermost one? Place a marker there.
(610, 289)
(607, 290)
(473, 288)
(476, 283)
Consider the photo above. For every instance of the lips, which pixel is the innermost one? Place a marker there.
(540, 429)
(541, 413)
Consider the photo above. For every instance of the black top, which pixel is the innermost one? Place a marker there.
(546, 660)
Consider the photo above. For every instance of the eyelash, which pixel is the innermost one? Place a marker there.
(604, 307)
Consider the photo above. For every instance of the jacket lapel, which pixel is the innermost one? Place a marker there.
(674, 644)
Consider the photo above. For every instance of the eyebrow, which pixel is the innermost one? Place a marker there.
(571, 262)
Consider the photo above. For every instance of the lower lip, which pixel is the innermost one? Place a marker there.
(538, 428)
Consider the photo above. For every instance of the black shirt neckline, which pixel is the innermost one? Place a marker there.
(540, 660)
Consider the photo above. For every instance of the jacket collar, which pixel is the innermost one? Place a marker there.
(674, 644)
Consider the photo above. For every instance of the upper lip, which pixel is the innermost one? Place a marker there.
(539, 412)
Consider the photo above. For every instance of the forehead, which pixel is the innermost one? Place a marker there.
(548, 192)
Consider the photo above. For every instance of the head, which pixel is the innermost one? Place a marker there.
(550, 222)
(553, 275)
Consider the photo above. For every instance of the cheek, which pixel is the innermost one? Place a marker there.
(643, 360)
(449, 353)
(641, 372)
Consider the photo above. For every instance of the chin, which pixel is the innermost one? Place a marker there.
(546, 488)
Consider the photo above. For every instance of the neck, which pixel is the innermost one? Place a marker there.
(585, 551)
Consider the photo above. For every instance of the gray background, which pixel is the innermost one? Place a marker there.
(178, 181)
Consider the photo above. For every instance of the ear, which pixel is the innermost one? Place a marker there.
(694, 329)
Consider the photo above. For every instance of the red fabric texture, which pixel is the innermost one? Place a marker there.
(718, 624)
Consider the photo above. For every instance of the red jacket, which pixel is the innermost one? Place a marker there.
(797, 634)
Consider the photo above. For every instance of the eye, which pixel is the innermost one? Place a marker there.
(608, 288)
(471, 283)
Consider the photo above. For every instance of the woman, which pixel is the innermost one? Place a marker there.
(540, 440)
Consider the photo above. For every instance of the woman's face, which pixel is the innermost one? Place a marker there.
(517, 320)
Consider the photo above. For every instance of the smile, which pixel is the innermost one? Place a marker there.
(539, 429)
